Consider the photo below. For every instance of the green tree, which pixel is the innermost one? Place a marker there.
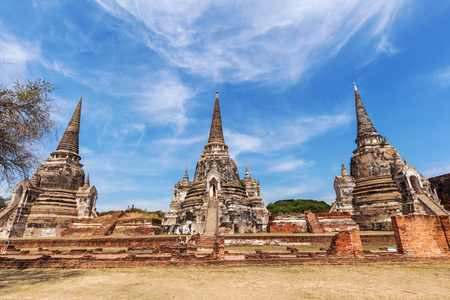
(4, 202)
(298, 206)
(25, 121)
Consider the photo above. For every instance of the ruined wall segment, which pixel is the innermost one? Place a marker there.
(422, 235)
(216, 200)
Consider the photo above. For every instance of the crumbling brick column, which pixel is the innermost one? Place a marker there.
(346, 243)
(219, 247)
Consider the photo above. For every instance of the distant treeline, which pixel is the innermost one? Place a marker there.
(298, 206)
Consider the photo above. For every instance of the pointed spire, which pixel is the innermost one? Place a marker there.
(344, 170)
(247, 173)
(70, 139)
(87, 183)
(186, 177)
(365, 126)
(216, 132)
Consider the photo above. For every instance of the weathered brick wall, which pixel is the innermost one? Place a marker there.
(286, 228)
(442, 186)
(287, 223)
(346, 243)
(113, 224)
(314, 240)
(133, 261)
(334, 215)
(422, 235)
(337, 225)
(154, 241)
(326, 222)
(230, 240)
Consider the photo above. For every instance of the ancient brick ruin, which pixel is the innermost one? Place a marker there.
(119, 224)
(380, 184)
(216, 200)
(310, 222)
(441, 186)
(422, 235)
(56, 193)
(346, 243)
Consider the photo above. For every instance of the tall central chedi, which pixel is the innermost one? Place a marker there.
(216, 200)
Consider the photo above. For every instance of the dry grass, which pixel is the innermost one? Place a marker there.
(413, 281)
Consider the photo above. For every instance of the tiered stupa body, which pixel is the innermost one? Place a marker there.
(56, 193)
(379, 184)
(216, 200)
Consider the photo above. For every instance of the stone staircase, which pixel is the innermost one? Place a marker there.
(433, 206)
(212, 217)
(14, 226)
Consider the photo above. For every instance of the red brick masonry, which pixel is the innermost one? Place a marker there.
(346, 243)
(422, 235)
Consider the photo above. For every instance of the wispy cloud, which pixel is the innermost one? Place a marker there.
(269, 41)
(240, 142)
(289, 164)
(163, 100)
(294, 190)
(443, 77)
(15, 53)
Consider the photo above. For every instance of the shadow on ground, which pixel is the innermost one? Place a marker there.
(12, 278)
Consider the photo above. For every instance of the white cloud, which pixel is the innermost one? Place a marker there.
(287, 164)
(443, 77)
(14, 55)
(219, 39)
(297, 131)
(86, 151)
(162, 101)
(439, 169)
(240, 142)
(291, 191)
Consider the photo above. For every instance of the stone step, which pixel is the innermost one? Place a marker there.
(433, 206)
(211, 217)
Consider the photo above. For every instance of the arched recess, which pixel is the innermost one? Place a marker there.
(213, 185)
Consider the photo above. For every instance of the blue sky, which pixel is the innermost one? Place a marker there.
(148, 72)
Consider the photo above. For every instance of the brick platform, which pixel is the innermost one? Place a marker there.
(189, 260)
(230, 241)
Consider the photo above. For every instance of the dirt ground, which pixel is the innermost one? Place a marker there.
(413, 281)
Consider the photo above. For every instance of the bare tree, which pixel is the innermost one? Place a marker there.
(25, 119)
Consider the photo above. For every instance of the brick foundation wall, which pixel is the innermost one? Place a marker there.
(286, 228)
(422, 235)
(334, 215)
(154, 241)
(230, 241)
(89, 262)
